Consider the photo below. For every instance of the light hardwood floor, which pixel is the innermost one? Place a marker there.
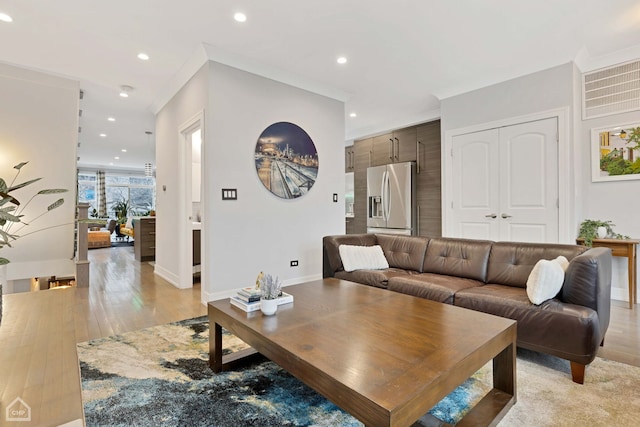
(126, 295)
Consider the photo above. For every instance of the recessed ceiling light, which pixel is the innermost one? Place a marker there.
(125, 90)
(111, 164)
(103, 135)
(116, 158)
(143, 56)
(111, 119)
(5, 18)
(353, 115)
(124, 150)
(240, 17)
(342, 60)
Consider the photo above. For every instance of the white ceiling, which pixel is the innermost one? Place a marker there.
(403, 56)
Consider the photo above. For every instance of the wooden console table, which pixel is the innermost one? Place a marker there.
(623, 248)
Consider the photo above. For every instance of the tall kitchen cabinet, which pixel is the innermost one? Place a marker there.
(362, 160)
(416, 143)
(428, 176)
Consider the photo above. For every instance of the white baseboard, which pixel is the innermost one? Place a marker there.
(213, 296)
(166, 275)
(620, 294)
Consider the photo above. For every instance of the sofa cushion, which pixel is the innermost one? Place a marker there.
(545, 280)
(377, 278)
(458, 257)
(404, 252)
(565, 330)
(436, 287)
(331, 254)
(362, 257)
(510, 263)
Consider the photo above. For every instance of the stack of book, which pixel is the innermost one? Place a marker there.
(248, 299)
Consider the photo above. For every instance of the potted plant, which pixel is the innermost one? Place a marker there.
(270, 290)
(11, 214)
(596, 229)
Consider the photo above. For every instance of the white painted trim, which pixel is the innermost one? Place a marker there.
(184, 74)
(382, 128)
(620, 294)
(565, 195)
(185, 224)
(240, 62)
(166, 275)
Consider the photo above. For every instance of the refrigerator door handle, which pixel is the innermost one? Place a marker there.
(382, 201)
(387, 196)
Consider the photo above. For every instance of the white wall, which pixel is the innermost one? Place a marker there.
(39, 124)
(189, 101)
(259, 231)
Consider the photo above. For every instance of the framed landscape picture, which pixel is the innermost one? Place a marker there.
(615, 153)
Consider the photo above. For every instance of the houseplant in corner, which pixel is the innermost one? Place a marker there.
(595, 229)
(270, 289)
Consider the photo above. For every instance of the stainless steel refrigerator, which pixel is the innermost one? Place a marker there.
(391, 199)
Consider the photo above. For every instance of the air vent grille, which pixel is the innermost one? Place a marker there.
(611, 90)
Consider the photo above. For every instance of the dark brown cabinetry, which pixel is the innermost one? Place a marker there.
(362, 151)
(144, 234)
(349, 159)
(416, 143)
(428, 180)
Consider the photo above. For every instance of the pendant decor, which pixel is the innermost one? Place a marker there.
(286, 160)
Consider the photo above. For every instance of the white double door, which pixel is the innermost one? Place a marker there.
(505, 183)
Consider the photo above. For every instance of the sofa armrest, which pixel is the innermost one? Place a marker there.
(588, 283)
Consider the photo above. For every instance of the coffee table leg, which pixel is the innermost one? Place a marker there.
(504, 370)
(215, 347)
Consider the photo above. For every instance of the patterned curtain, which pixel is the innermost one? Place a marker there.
(102, 195)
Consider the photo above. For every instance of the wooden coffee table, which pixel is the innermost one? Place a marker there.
(384, 357)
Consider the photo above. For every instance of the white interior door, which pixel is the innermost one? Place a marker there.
(475, 185)
(505, 183)
(529, 182)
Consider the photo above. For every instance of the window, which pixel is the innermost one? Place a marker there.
(87, 190)
(139, 191)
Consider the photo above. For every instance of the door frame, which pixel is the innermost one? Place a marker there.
(184, 232)
(566, 195)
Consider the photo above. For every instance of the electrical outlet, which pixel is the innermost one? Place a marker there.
(294, 263)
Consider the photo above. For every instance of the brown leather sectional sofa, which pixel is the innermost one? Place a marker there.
(491, 277)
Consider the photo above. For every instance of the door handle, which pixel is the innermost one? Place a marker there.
(391, 149)
(397, 149)
(491, 216)
(504, 215)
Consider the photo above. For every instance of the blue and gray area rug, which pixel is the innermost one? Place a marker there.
(160, 376)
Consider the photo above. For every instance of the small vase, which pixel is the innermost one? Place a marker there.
(602, 232)
(269, 306)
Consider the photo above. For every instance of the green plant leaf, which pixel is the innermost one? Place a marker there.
(55, 204)
(52, 191)
(24, 184)
(3, 186)
(20, 165)
(8, 217)
(4, 261)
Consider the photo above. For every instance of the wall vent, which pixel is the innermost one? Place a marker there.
(611, 90)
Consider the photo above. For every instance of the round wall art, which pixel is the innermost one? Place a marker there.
(286, 160)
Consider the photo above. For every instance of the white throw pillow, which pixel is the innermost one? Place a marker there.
(546, 279)
(362, 257)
